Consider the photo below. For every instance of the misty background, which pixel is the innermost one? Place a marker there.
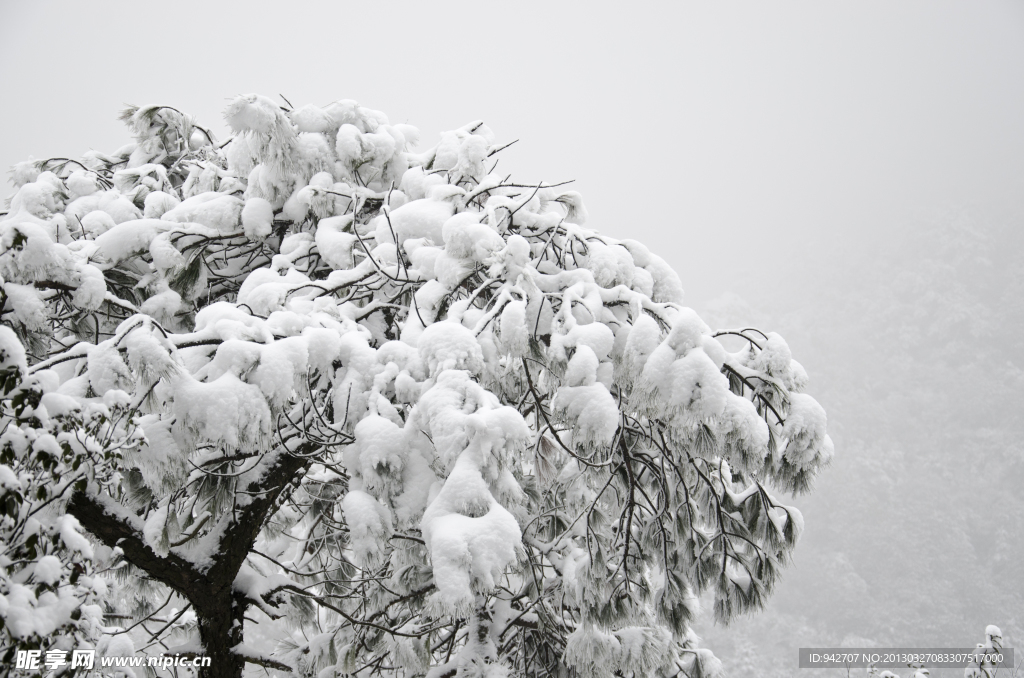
(849, 174)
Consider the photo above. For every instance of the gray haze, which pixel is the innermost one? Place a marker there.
(733, 137)
(849, 173)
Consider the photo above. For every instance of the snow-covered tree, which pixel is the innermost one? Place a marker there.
(49, 590)
(985, 664)
(397, 414)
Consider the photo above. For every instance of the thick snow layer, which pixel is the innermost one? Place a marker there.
(746, 432)
(92, 288)
(27, 305)
(687, 331)
(71, 535)
(81, 183)
(265, 291)
(666, 284)
(582, 368)
(106, 370)
(471, 538)
(118, 207)
(12, 353)
(226, 411)
(162, 306)
(24, 614)
(644, 336)
(47, 569)
(257, 218)
(158, 204)
(593, 411)
(333, 244)
(774, 358)
(97, 223)
(227, 321)
(281, 364)
(611, 265)
(808, 445)
(598, 337)
(155, 531)
(513, 327)
(450, 346)
(378, 453)
(253, 112)
(35, 257)
(149, 356)
(369, 523)
(698, 387)
(127, 239)
(420, 219)
(8, 478)
(215, 210)
(466, 238)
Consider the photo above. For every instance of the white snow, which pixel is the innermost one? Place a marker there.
(257, 218)
(808, 445)
(155, 531)
(12, 353)
(71, 535)
(225, 411)
(368, 522)
(420, 219)
(215, 210)
(126, 239)
(592, 410)
(450, 346)
(471, 538)
(333, 244)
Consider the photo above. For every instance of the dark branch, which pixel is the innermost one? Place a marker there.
(241, 532)
(172, 570)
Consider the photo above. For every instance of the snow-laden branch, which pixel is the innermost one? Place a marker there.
(117, 528)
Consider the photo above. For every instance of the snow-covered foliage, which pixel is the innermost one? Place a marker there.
(986, 654)
(51, 594)
(397, 415)
(986, 662)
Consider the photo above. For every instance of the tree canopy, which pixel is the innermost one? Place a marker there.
(328, 406)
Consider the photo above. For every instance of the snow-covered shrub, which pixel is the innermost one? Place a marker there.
(986, 661)
(399, 415)
(987, 655)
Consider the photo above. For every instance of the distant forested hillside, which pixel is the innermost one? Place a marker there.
(915, 536)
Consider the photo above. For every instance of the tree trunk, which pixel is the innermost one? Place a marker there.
(219, 610)
(220, 633)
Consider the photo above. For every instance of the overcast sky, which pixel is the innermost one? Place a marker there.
(730, 136)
